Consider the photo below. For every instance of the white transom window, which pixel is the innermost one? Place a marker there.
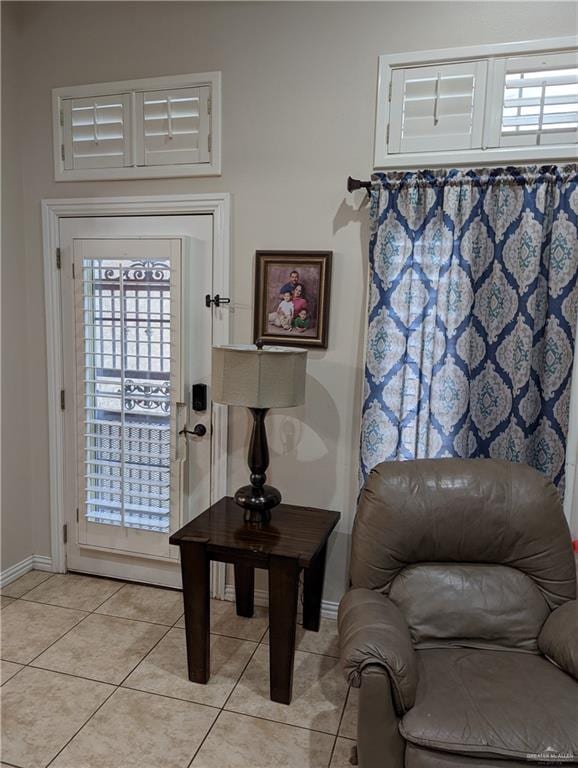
(501, 104)
(159, 127)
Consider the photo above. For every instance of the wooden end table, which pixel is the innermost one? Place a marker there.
(295, 539)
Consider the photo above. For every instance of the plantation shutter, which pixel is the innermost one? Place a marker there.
(437, 107)
(536, 99)
(128, 378)
(96, 132)
(173, 126)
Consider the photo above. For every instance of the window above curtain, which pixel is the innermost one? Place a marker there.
(489, 104)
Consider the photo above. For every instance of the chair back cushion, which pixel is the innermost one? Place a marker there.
(474, 604)
(467, 548)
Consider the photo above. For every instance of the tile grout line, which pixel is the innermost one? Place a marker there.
(116, 591)
(231, 636)
(168, 696)
(115, 686)
(291, 725)
(344, 708)
(280, 722)
(339, 725)
(87, 614)
(222, 709)
(142, 621)
(3, 594)
(60, 672)
(136, 621)
(332, 751)
(52, 605)
(75, 734)
(115, 689)
(176, 698)
(121, 581)
(29, 663)
(109, 597)
(96, 612)
(78, 623)
(205, 737)
(67, 607)
(258, 644)
(64, 607)
(147, 654)
(22, 666)
(314, 653)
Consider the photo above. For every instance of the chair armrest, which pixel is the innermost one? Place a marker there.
(379, 742)
(374, 633)
(558, 639)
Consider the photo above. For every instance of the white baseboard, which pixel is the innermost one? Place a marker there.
(44, 563)
(328, 609)
(34, 562)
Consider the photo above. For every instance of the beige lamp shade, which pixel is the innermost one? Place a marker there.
(272, 377)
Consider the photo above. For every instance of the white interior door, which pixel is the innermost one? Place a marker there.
(137, 336)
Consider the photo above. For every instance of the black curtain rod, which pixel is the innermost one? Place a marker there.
(353, 184)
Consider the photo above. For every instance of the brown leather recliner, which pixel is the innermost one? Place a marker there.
(460, 627)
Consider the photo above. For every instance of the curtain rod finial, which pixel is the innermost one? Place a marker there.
(354, 184)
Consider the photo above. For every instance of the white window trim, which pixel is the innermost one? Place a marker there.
(211, 168)
(217, 204)
(500, 156)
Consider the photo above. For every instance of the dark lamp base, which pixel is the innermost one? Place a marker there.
(257, 502)
(257, 499)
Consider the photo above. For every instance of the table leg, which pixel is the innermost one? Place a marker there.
(313, 591)
(283, 592)
(244, 589)
(196, 585)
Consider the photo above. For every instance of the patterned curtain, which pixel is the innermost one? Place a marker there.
(472, 316)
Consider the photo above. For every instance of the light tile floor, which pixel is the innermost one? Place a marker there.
(94, 675)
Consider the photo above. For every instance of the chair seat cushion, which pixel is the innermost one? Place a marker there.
(501, 704)
(419, 757)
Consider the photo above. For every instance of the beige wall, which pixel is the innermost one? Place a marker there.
(17, 362)
(299, 82)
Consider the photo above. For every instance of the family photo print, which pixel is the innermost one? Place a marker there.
(292, 297)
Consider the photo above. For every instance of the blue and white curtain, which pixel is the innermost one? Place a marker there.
(472, 315)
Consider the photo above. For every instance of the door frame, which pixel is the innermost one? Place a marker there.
(216, 204)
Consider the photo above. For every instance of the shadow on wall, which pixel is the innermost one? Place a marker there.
(348, 213)
(304, 446)
(307, 444)
(357, 213)
(303, 443)
(314, 449)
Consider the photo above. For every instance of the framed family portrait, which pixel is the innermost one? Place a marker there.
(292, 297)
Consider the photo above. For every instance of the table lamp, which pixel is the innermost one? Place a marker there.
(259, 378)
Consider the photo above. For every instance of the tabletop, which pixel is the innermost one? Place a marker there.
(294, 531)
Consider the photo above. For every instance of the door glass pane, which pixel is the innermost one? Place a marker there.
(126, 337)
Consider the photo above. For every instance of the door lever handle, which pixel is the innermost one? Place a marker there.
(199, 430)
(216, 300)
